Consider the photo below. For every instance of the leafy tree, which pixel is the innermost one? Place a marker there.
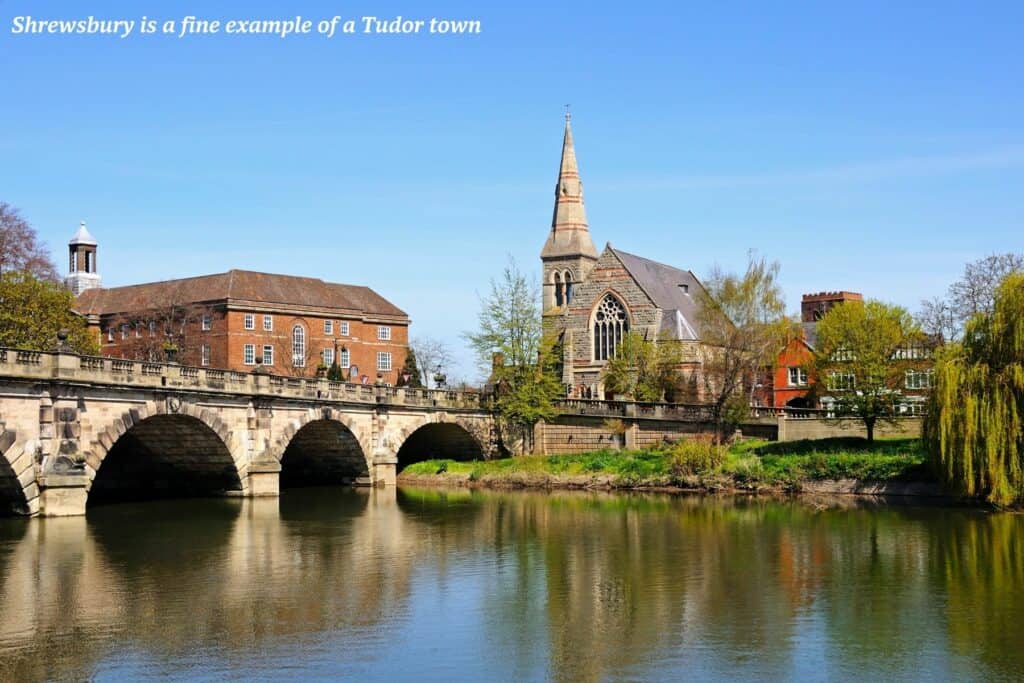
(32, 311)
(974, 429)
(20, 248)
(410, 369)
(643, 370)
(857, 356)
(743, 325)
(526, 379)
(509, 321)
(526, 393)
(972, 294)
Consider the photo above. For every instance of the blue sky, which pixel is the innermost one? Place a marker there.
(864, 146)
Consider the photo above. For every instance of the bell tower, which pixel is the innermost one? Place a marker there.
(569, 253)
(82, 273)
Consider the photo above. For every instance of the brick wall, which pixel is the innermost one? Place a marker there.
(228, 336)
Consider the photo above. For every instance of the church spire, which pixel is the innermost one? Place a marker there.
(569, 236)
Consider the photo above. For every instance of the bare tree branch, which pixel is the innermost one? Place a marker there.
(20, 248)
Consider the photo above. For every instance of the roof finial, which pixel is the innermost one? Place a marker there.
(568, 114)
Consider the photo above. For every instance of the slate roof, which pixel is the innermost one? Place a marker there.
(810, 334)
(662, 284)
(238, 285)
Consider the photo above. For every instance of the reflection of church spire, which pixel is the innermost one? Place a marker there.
(569, 236)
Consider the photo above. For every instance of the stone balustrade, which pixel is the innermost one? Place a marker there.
(69, 367)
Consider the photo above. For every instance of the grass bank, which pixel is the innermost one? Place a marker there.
(696, 465)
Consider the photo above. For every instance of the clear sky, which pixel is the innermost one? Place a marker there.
(865, 146)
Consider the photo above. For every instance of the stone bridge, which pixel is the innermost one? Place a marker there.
(79, 430)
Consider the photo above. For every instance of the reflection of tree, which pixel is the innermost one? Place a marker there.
(980, 559)
(522, 586)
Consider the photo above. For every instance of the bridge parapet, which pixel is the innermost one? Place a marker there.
(676, 412)
(69, 367)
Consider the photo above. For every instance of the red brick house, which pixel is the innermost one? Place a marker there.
(789, 383)
(241, 319)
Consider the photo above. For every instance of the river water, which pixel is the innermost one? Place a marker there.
(427, 585)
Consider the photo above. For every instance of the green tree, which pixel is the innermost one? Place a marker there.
(411, 370)
(857, 358)
(335, 373)
(526, 374)
(974, 430)
(509, 321)
(743, 325)
(527, 393)
(643, 370)
(32, 311)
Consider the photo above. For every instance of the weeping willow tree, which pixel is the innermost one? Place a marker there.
(974, 426)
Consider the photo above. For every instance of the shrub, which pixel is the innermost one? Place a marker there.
(695, 456)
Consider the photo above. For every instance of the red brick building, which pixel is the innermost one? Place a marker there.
(789, 384)
(241, 319)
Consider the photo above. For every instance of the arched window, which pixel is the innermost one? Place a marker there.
(558, 290)
(611, 322)
(568, 288)
(298, 346)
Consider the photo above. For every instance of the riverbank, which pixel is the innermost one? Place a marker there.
(825, 466)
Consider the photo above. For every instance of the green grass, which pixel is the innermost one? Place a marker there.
(749, 463)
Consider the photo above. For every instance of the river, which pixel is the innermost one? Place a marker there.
(457, 585)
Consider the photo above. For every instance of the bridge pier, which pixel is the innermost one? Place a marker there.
(265, 478)
(385, 470)
(62, 495)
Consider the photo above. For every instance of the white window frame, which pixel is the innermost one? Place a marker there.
(383, 333)
(152, 328)
(124, 331)
(204, 354)
(249, 354)
(328, 357)
(268, 355)
(110, 333)
(250, 321)
(344, 361)
(329, 327)
(207, 323)
(343, 328)
(919, 379)
(268, 323)
(841, 381)
(384, 361)
(298, 346)
(797, 377)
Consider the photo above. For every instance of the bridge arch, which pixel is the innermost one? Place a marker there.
(173, 449)
(439, 440)
(321, 449)
(13, 497)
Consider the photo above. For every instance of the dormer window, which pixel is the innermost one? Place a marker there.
(684, 288)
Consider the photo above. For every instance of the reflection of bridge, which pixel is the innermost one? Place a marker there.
(77, 429)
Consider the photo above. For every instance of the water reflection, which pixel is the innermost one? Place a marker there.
(435, 584)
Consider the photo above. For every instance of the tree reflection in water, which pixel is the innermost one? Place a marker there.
(457, 584)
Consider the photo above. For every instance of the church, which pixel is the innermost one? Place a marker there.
(591, 300)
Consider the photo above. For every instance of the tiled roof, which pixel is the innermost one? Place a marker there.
(680, 304)
(237, 285)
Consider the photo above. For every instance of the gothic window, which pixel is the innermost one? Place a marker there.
(558, 290)
(568, 288)
(298, 346)
(611, 322)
